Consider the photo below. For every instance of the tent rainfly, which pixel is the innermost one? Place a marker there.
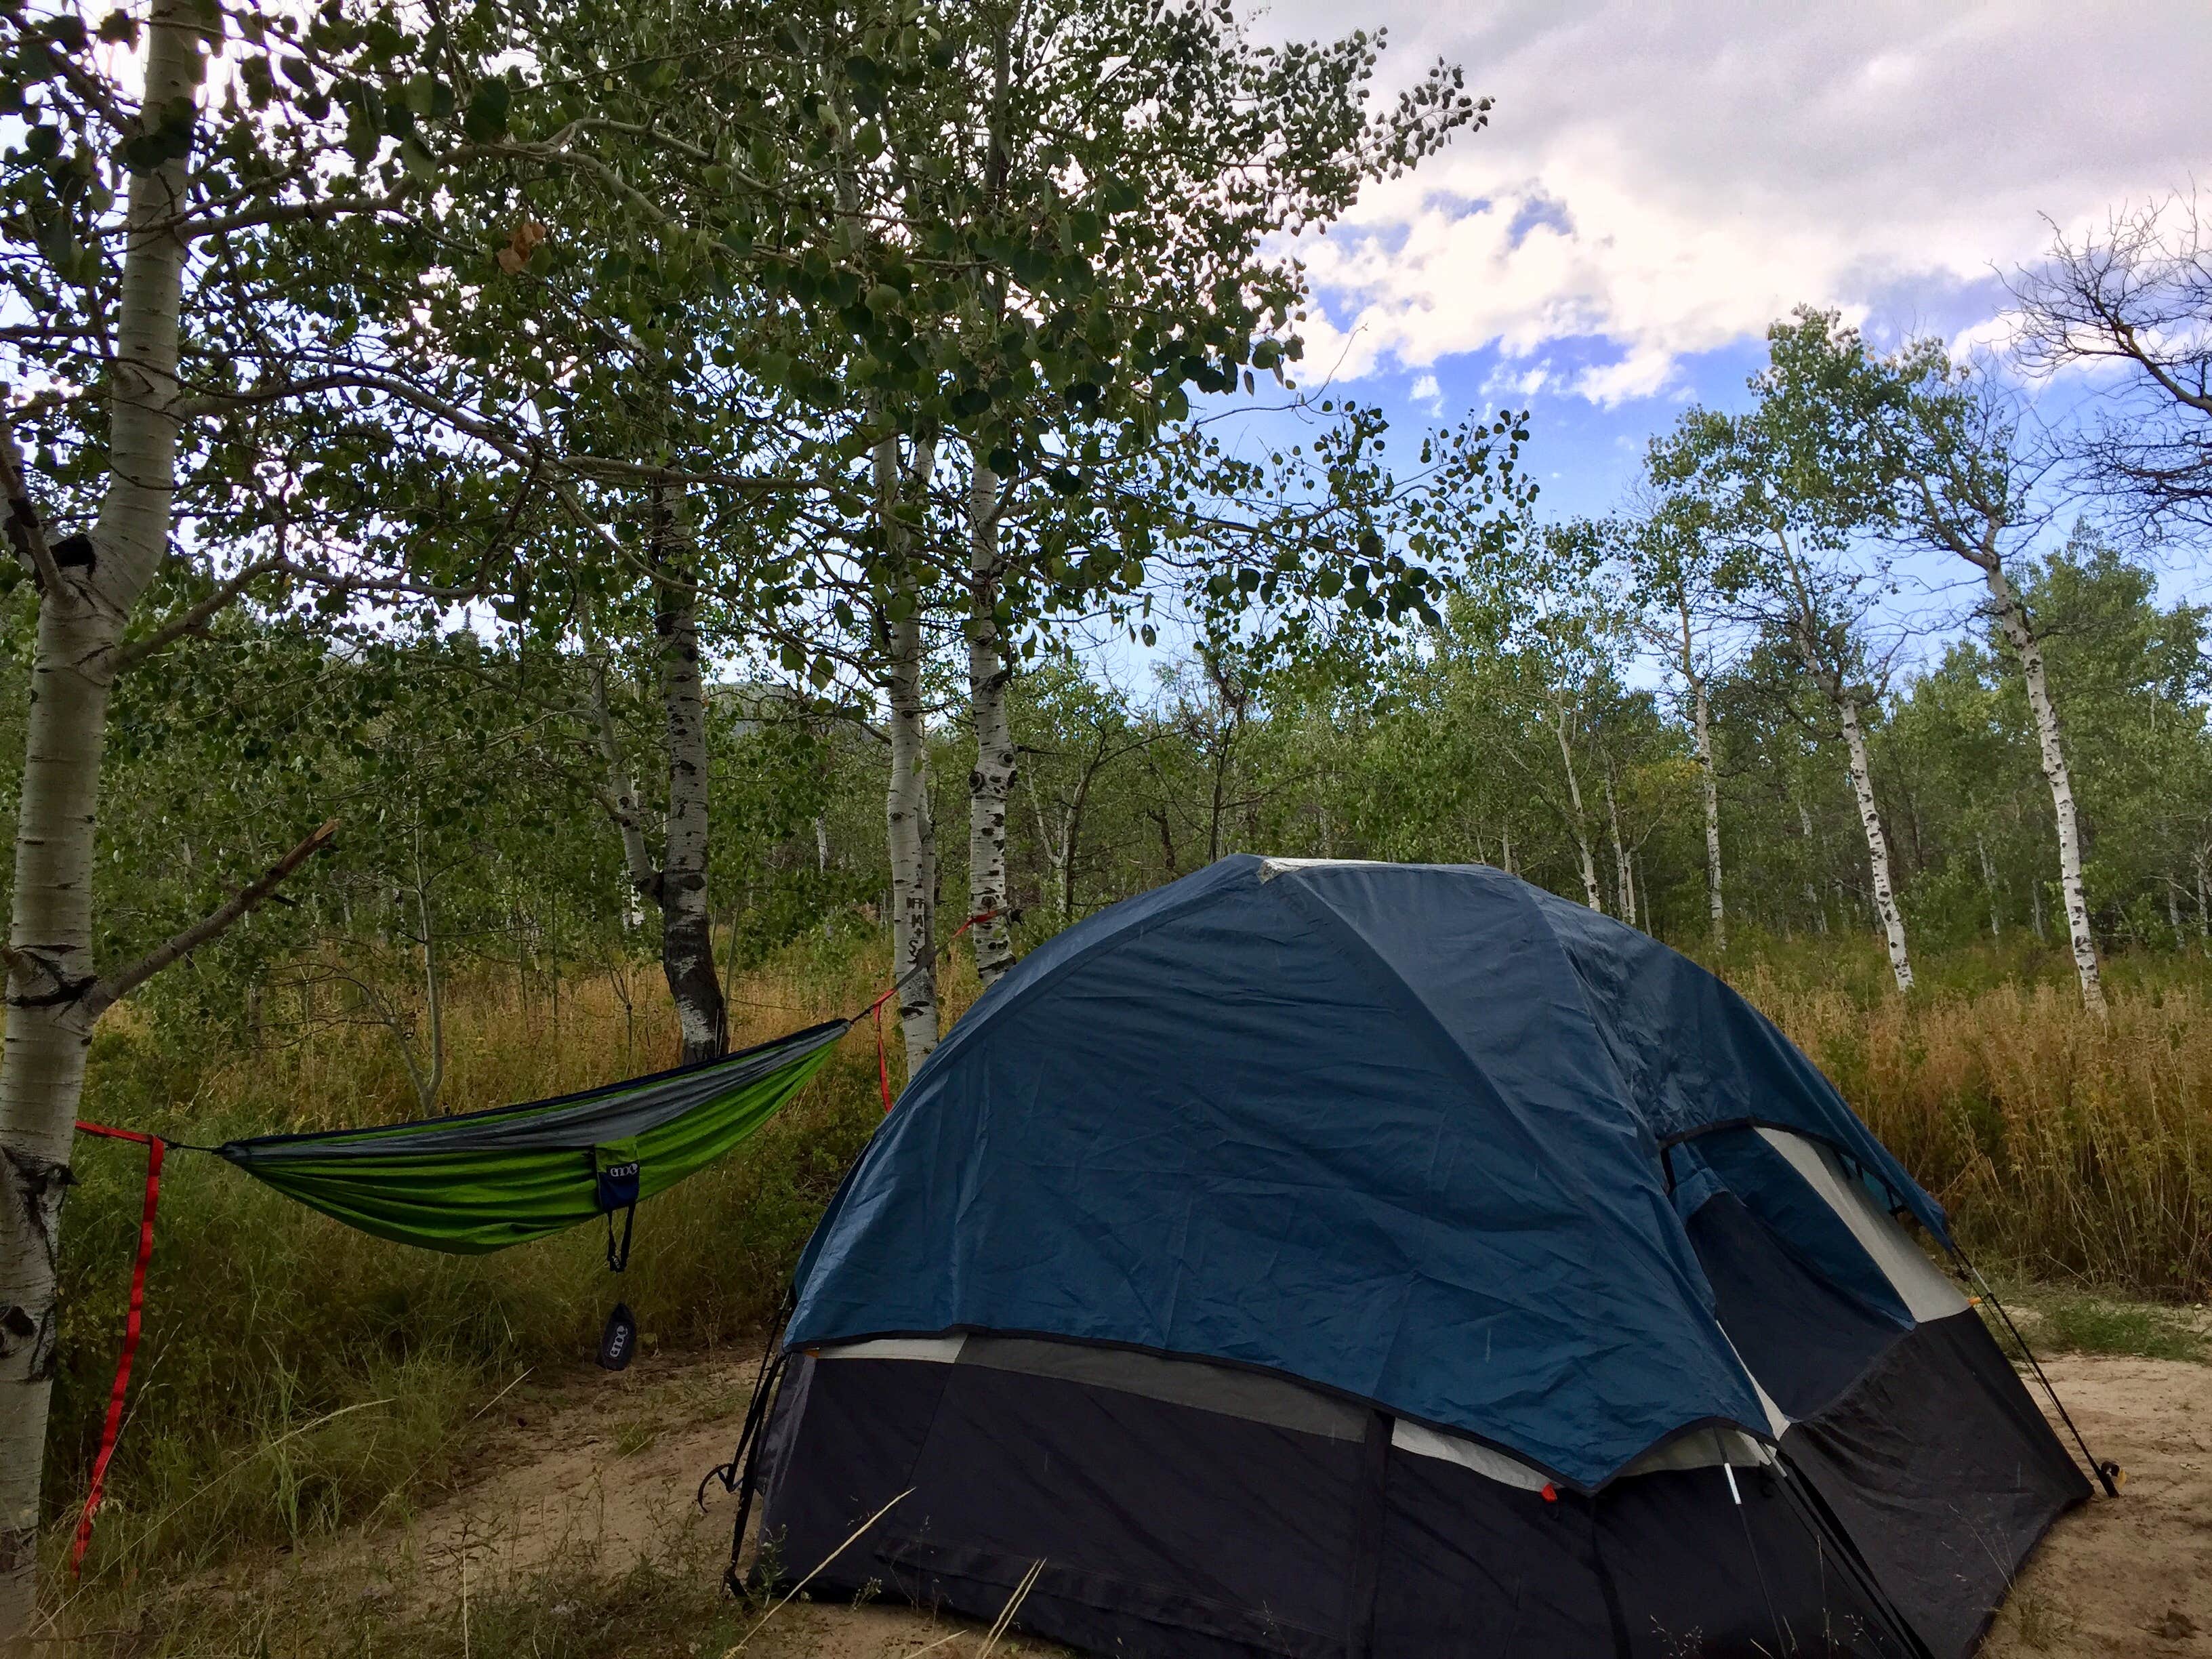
(1349, 1261)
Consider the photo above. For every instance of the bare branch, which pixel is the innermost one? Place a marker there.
(117, 985)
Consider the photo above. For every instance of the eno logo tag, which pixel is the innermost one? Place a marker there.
(619, 1341)
(618, 1186)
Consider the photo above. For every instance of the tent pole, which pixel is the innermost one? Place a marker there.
(2108, 1473)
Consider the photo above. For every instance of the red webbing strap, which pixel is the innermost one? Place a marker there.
(154, 1148)
(876, 1008)
(882, 1060)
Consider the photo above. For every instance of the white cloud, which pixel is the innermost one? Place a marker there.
(1646, 372)
(1428, 393)
(1515, 381)
(1668, 178)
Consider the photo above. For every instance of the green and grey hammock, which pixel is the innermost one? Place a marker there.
(477, 1181)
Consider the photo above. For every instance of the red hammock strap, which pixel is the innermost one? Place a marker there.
(883, 1060)
(133, 1322)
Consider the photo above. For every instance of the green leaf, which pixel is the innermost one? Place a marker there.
(488, 110)
(423, 166)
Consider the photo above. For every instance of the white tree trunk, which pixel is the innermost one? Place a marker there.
(1885, 896)
(1811, 887)
(913, 879)
(1623, 875)
(1590, 894)
(1048, 843)
(1702, 731)
(430, 1076)
(687, 934)
(991, 783)
(2012, 617)
(72, 673)
(622, 791)
(1989, 884)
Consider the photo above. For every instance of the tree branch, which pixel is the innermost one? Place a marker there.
(25, 533)
(196, 618)
(117, 985)
(330, 207)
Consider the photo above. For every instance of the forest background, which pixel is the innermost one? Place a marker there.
(552, 544)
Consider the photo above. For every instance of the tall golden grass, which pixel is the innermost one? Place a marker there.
(2064, 1145)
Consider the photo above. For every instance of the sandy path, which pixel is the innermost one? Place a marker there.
(606, 1467)
(594, 1468)
(2132, 1577)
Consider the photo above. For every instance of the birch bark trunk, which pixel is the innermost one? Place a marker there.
(1048, 843)
(2012, 618)
(991, 783)
(1701, 731)
(1623, 876)
(1816, 854)
(1064, 865)
(913, 879)
(1885, 896)
(430, 1079)
(80, 622)
(622, 789)
(1590, 894)
(687, 933)
(1989, 885)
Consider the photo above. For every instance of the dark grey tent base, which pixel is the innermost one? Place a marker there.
(1941, 1468)
(1288, 1524)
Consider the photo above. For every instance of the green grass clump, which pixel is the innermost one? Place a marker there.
(2076, 1322)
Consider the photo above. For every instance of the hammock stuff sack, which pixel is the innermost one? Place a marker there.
(477, 1181)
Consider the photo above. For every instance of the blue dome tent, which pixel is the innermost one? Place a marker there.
(1336, 1260)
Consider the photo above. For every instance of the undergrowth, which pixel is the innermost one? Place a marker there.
(571, 1606)
(2066, 1148)
(298, 1377)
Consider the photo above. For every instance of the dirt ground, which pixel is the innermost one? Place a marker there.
(609, 1467)
(2132, 1576)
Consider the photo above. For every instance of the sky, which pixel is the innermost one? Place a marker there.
(1658, 182)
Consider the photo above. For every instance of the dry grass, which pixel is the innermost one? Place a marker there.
(2065, 1147)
